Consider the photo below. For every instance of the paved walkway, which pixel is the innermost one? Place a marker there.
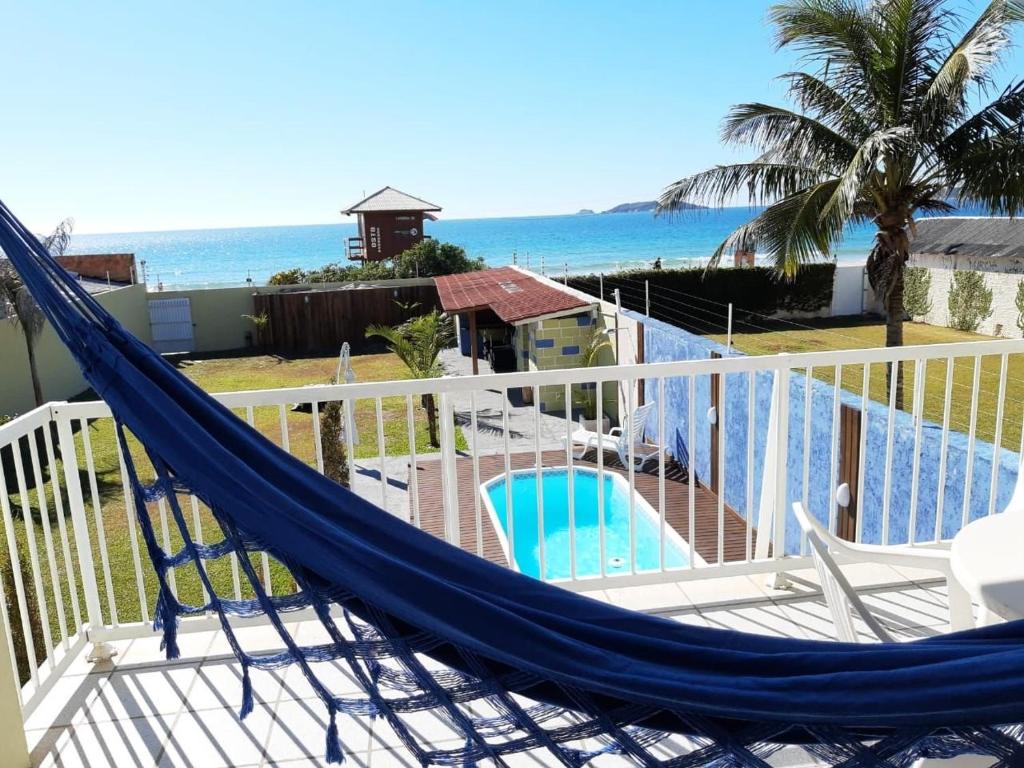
(523, 422)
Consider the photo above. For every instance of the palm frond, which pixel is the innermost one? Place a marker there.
(787, 135)
(839, 33)
(761, 182)
(991, 174)
(1003, 115)
(817, 97)
(868, 161)
(972, 58)
(794, 231)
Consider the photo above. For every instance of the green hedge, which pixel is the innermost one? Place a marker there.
(754, 289)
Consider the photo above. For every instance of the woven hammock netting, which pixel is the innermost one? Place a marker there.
(410, 627)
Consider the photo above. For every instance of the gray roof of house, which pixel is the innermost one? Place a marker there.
(391, 199)
(983, 237)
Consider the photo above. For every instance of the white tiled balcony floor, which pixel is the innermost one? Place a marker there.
(141, 710)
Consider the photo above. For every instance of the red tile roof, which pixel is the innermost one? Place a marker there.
(512, 295)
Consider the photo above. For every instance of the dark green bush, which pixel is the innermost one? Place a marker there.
(752, 289)
(431, 258)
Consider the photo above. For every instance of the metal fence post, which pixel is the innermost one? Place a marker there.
(80, 527)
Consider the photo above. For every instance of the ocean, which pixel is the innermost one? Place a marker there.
(577, 243)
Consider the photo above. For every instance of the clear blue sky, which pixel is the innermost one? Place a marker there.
(153, 116)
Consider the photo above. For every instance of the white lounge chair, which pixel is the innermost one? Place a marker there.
(843, 601)
(617, 439)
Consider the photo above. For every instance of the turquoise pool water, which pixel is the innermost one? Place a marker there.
(555, 487)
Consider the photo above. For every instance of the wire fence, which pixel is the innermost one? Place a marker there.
(757, 333)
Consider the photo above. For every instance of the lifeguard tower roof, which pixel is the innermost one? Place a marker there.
(390, 200)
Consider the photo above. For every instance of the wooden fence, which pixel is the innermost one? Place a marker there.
(313, 321)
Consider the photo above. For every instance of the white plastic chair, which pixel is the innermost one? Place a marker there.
(616, 439)
(843, 601)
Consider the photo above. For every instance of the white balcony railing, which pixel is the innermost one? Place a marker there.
(79, 573)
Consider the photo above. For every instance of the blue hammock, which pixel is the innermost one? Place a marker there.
(600, 679)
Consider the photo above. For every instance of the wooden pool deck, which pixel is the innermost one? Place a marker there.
(676, 503)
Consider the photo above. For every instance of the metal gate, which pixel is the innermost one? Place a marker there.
(171, 323)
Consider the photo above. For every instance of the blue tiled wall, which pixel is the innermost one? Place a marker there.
(663, 342)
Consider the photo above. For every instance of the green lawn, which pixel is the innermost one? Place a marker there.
(861, 334)
(214, 375)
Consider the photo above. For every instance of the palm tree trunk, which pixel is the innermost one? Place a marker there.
(428, 403)
(886, 267)
(894, 336)
(37, 387)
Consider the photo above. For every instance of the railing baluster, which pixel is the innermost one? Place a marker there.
(348, 415)
(79, 526)
(97, 511)
(691, 474)
(44, 516)
(837, 387)
(601, 533)
(663, 443)
(382, 452)
(129, 508)
(806, 478)
(720, 550)
(862, 451)
(286, 443)
(318, 446)
(571, 480)
(944, 449)
(11, 655)
(972, 431)
(748, 549)
(509, 511)
(477, 501)
(920, 377)
(250, 417)
(197, 525)
(33, 550)
(631, 471)
(414, 486)
(782, 462)
(890, 431)
(19, 583)
(539, 477)
(58, 502)
(172, 581)
(993, 488)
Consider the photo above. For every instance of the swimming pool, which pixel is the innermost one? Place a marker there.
(555, 488)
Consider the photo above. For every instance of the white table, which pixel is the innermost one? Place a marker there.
(987, 558)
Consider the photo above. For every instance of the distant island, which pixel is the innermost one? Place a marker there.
(584, 212)
(647, 206)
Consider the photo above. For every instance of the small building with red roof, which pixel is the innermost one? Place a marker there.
(522, 322)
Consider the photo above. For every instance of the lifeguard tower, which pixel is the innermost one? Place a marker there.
(390, 223)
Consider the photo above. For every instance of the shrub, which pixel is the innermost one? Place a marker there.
(431, 258)
(1019, 300)
(917, 286)
(970, 300)
(426, 259)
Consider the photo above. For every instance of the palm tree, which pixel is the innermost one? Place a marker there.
(418, 343)
(21, 309)
(896, 115)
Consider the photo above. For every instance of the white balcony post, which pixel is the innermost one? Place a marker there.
(12, 724)
(76, 505)
(781, 472)
(449, 473)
